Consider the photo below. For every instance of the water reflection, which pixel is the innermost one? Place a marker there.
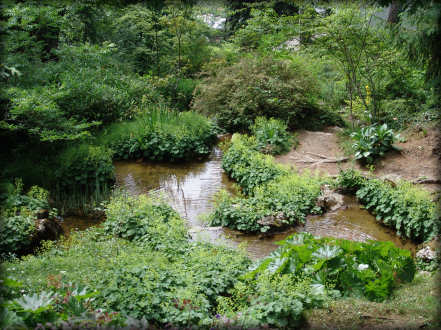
(191, 188)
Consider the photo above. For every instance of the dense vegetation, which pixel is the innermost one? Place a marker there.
(408, 209)
(277, 197)
(84, 83)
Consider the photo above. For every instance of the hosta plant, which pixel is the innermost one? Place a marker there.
(372, 142)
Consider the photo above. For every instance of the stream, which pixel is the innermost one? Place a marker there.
(190, 189)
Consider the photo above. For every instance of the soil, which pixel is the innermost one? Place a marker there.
(419, 157)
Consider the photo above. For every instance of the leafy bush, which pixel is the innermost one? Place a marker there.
(84, 167)
(278, 197)
(372, 141)
(178, 92)
(271, 136)
(145, 220)
(158, 273)
(404, 207)
(269, 301)
(248, 167)
(17, 217)
(159, 134)
(16, 234)
(371, 269)
(62, 306)
(239, 93)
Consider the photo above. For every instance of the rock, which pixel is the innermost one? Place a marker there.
(198, 229)
(391, 178)
(426, 253)
(429, 250)
(47, 229)
(329, 199)
(273, 220)
(42, 213)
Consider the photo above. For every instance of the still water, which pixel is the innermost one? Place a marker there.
(191, 188)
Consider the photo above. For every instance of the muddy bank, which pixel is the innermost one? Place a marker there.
(419, 158)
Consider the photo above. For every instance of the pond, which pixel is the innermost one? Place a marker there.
(190, 189)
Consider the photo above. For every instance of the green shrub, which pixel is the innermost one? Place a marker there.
(405, 207)
(178, 92)
(275, 194)
(157, 273)
(84, 167)
(248, 167)
(269, 301)
(16, 234)
(372, 142)
(160, 134)
(145, 220)
(239, 93)
(17, 218)
(271, 136)
(370, 269)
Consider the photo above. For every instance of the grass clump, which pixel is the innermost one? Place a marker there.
(159, 134)
(404, 207)
(276, 196)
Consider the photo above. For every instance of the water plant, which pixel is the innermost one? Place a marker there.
(277, 197)
(160, 134)
(403, 206)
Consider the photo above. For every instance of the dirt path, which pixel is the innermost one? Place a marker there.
(418, 160)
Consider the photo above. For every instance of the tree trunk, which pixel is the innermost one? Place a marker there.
(394, 10)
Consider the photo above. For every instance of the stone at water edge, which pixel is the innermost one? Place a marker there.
(329, 200)
(273, 220)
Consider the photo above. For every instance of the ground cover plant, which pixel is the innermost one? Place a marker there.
(159, 134)
(83, 83)
(152, 272)
(408, 209)
(371, 269)
(276, 196)
(18, 214)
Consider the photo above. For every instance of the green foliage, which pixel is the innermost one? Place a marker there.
(269, 301)
(63, 305)
(377, 70)
(350, 181)
(277, 195)
(145, 220)
(239, 93)
(372, 142)
(32, 31)
(17, 216)
(406, 208)
(371, 269)
(271, 136)
(84, 167)
(159, 134)
(16, 234)
(157, 273)
(178, 92)
(247, 166)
